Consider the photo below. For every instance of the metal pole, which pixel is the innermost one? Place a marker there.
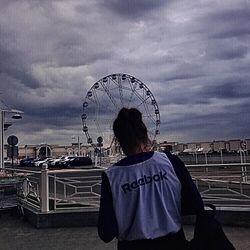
(206, 161)
(241, 160)
(221, 157)
(242, 168)
(44, 189)
(2, 116)
(100, 152)
(205, 157)
(96, 160)
(196, 158)
(25, 186)
(12, 156)
(26, 151)
(79, 154)
(244, 156)
(55, 192)
(2, 140)
(245, 168)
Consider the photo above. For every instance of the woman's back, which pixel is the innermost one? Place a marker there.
(147, 197)
(143, 195)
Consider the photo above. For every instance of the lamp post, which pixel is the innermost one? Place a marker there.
(196, 156)
(26, 155)
(78, 143)
(17, 115)
(243, 168)
(221, 155)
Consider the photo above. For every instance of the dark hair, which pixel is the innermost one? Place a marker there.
(129, 130)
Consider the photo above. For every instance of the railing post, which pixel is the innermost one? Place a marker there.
(64, 191)
(44, 189)
(54, 192)
(25, 187)
(241, 189)
(246, 174)
(96, 160)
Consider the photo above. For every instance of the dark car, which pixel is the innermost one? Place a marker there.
(80, 161)
(27, 162)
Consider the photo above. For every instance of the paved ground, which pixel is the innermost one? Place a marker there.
(17, 234)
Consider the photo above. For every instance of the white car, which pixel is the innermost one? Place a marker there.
(55, 162)
(64, 162)
(40, 163)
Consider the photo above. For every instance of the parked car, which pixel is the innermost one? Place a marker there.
(27, 162)
(56, 162)
(65, 162)
(41, 162)
(7, 162)
(49, 162)
(80, 161)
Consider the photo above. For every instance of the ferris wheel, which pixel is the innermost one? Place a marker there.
(105, 99)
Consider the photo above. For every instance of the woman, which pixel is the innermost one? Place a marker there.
(144, 195)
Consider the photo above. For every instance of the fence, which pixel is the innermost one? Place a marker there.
(225, 185)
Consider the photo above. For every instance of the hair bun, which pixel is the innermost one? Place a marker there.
(123, 114)
(129, 130)
(135, 114)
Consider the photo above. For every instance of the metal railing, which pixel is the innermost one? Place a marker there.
(79, 189)
(225, 185)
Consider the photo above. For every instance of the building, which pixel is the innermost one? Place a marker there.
(206, 147)
(180, 147)
(171, 146)
(247, 145)
(47, 150)
(192, 146)
(54, 150)
(219, 146)
(234, 145)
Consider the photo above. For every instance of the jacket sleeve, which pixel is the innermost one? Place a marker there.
(107, 224)
(191, 201)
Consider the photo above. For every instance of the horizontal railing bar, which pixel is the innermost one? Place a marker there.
(218, 165)
(23, 170)
(75, 178)
(75, 171)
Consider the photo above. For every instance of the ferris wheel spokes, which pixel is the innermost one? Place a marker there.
(107, 96)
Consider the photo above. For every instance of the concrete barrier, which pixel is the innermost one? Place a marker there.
(81, 218)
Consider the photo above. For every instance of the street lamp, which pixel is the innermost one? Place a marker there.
(78, 142)
(17, 115)
(221, 155)
(243, 160)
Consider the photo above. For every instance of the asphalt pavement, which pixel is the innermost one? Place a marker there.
(17, 234)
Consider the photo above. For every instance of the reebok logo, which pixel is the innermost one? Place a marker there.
(128, 187)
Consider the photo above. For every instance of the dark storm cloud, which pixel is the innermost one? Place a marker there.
(231, 22)
(55, 115)
(228, 89)
(182, 73)
(73, 53)
(203, 127)
(134, 9)
(232, 53)
(194, 57)
(13, 64)
(19, 73)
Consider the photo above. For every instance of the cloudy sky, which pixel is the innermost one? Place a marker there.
(193, 55)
